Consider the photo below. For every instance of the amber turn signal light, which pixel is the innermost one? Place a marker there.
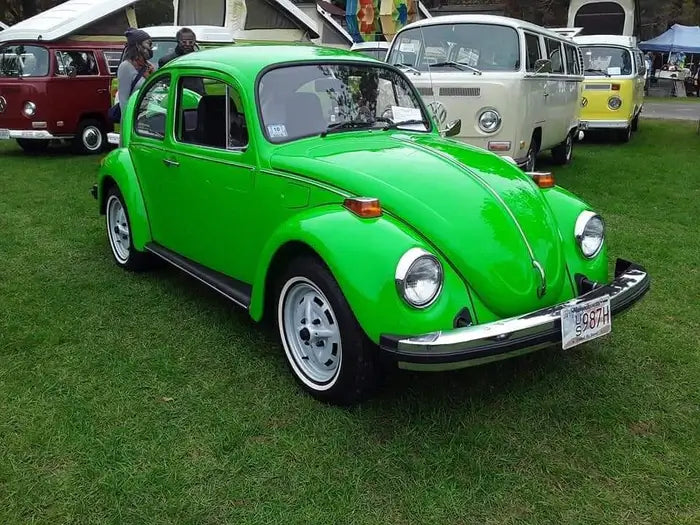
(543, 180)
(365, 207)
(616, 87)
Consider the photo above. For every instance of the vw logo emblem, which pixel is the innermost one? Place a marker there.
(3, 104)
(438, 110)
(584, 102)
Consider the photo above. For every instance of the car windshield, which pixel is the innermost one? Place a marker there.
(458, 47)
(598, 60)
(24, 61)
(315, 99)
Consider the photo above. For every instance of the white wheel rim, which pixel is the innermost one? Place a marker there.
(310, 333)
(569, 146)
(118, 229)
(92, 138)
(531, 160)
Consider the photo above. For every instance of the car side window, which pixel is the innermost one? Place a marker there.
(554, 54)
(76, 63)
(152, 110)
(534, 53)
(572, 63)
(210, 113)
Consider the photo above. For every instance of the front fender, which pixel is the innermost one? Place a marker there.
(118, 168)
(567, 207)
(362, 255)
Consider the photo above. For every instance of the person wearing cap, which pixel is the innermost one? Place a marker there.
(186, 43)
(135, 68)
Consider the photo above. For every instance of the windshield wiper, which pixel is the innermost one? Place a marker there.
(395, 125)
(346, 124)
(457, 65)
(410, 68)
(598, 71)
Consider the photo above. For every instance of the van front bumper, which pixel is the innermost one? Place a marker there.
(28, 134)
(478, 344)
(603, 124)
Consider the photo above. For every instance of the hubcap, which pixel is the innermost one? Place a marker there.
(531, 159)
(92, 138)
(569, 146)
(310, 332)
(118, 229)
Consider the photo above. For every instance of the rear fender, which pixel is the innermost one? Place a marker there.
(117, 168)
(362, 255)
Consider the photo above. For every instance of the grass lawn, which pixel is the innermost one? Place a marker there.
(148, 399)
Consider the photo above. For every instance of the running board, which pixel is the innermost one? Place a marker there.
(232, 289)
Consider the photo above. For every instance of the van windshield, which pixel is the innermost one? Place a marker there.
(484, 47)
(24, 61)
(606, 61)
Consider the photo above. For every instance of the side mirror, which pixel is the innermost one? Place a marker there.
(543, 65)
(453, 128)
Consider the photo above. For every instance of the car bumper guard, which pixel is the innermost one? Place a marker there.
(516, 335)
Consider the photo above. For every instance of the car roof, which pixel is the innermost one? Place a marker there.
(204, 34)
(486, 19)
(247, 60)
(606, 40)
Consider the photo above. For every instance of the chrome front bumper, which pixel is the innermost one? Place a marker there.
(477, 344)
(35, 134)
(603, 124)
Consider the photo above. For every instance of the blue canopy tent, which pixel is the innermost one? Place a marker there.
(683, 39)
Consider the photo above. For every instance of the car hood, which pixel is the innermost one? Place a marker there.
(482, 213)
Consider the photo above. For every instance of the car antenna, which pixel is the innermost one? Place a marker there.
(434, 104)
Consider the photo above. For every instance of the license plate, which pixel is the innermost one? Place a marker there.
(585, 321)
(4, 134)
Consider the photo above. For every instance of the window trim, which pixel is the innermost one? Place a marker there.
(175, 121)
(539, 48)
(142, 94)
(562, 56)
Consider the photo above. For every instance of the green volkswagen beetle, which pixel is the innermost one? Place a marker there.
(311, 186)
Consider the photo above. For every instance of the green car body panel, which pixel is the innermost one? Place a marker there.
(235, 211)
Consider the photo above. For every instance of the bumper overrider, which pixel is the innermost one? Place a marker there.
(478, 344)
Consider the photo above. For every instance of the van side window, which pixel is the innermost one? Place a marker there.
(152, 110)
(210, 113)
(641, 66)
(82, 62)
(534, 53)
(572, 61)
(554, 54)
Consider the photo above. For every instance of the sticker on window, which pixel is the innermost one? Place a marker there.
(277, 131)
(407, 47)
(614, 71)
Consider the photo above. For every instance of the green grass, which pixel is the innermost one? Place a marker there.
(148, 399)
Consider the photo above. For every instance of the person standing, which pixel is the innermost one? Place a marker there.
(135, 68)
(648, 63)
(186, 43)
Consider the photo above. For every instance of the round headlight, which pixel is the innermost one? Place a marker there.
(590, 233)
(489, 121)
(614, 103)
(419, 278)
(29, 109)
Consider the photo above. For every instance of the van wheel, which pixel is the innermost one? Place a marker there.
(33, 146)
(326, 349)
(561, 154)
(635, 123)
(625, 135)
(531, 159)
(91, 137)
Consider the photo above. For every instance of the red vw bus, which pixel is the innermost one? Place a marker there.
(56, 90)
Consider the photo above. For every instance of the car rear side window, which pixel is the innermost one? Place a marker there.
(210, 113)
(76, 63)
(554, 54)
(534, 53)
(152, 111)
(572, 60)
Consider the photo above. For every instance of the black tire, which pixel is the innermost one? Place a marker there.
(91, 137)
(129, 259)
(625, 135)
(32, 146)
(562, 153)
(531, 158)
(358, 369)
(635, 123)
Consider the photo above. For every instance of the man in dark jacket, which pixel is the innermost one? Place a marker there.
(186, 43)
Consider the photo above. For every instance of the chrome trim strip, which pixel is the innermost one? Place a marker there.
(34, 134)
(306, 180)
(534, 326)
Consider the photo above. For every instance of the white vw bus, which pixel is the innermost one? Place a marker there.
(515, 86)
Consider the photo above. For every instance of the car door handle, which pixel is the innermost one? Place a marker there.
(171, 163)
(102, 91)
(546, 95)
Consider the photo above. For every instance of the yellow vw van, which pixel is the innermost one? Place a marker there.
(613, 89)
